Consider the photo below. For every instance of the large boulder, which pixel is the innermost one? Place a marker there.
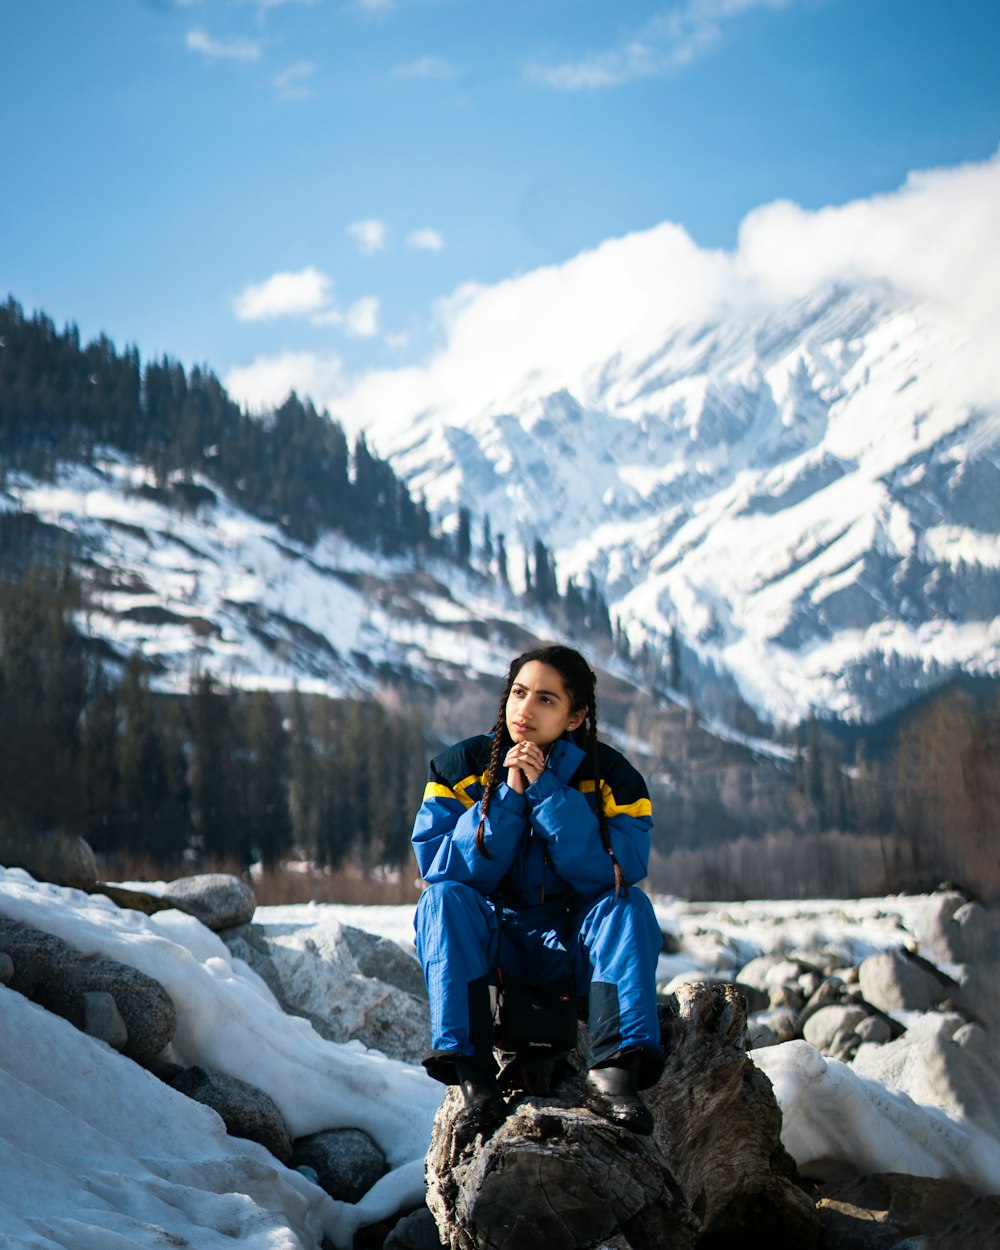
(940, 1061)
(825, 1028)
(246, 1110)
(61, 858)
(62, 979)
(315, 971)
(897, 980)
(218, 900)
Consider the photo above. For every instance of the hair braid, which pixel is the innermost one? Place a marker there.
(621, 885)
(501, 743)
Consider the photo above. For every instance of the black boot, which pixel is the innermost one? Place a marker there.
(610, 1091)
(484, 1109)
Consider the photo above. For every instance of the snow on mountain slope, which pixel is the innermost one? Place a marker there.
(789, 454)
(217, 590)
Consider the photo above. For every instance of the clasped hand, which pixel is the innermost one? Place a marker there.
(524, 763)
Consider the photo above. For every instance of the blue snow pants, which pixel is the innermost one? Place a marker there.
(608, 944)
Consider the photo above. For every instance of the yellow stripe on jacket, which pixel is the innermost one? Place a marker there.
(641, 807)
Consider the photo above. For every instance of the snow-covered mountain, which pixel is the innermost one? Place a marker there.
(807, 493)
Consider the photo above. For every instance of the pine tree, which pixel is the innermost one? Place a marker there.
(269, 821)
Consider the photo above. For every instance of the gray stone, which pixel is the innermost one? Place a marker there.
(416, 1231)
(61, 858)
(759, 1034)
(6, 968)
(145, 1006)
(313, 973)
(785, 995)
(383, 960)
(346, 1161)
(781, 1022)
(102, 1019)
(824, 1027)
(57, 976)
(246, 1110)
(897, 980)
(217, 899)
(767, 971)
(756, 998)
(874, 1029)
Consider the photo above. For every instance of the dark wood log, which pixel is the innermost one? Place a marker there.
(719, 1126)
(554, 1176)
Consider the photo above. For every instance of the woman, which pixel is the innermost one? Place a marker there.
(531, 839)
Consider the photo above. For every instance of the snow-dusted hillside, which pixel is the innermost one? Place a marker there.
(214, 589)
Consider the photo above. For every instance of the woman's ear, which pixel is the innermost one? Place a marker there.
(577, 719)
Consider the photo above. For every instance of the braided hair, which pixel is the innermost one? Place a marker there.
(581, 686)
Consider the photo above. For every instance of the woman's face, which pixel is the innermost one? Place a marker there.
(539, 708)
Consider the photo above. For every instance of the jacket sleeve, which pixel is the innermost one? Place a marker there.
(444, 833)
(564, 817)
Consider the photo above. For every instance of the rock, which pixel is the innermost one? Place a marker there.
(312, 972)
(346, 1161)
(897, 980)
(383, 960)
(57, 976)
(822, 1027)
(873, 1029)
(61, 858)
(6, 968)
(936, 930)
(218, 900)
(146, 1008)
(766, 971)
(786, 996)
(940, 1061)
(246, 1110)
(416, 1231)
(755, 998)
(876, 1212)
(781, 1023)
(103, 1020)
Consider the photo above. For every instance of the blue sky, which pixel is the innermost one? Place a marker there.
(223, 180)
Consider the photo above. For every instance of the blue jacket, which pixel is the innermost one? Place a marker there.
(542, 843)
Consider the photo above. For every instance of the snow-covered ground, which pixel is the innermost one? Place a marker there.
(98, 1154)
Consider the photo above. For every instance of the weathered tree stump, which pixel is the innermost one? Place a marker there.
(718, 1125)
(554, 1176)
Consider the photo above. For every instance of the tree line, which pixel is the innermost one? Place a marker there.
(214, 775)
(905, 805)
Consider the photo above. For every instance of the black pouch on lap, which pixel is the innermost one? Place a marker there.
(536, 1018)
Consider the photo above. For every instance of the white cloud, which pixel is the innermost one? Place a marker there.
(369, 234)
(362, 318)
(667, 42)
(293, 83)
(936, 239)
(237, 49)
(429, 67)
(426, 240)
(268, 381)
(284, 295)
